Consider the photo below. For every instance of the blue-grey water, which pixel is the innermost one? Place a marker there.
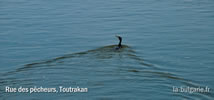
(71, 43)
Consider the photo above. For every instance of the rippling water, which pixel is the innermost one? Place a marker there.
(71, 43)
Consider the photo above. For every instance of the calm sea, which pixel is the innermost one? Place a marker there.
(167, 45)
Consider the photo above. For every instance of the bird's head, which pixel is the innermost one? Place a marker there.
(120, 38)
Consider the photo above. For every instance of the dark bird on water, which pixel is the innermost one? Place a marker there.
(119, 44)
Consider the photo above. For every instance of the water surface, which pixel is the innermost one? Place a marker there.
(71, 43)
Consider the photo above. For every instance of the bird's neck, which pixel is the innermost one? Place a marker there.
(120, 43)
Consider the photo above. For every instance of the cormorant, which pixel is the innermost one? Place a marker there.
(119, 44)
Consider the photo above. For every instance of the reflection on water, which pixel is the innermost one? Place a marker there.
(100, 68)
